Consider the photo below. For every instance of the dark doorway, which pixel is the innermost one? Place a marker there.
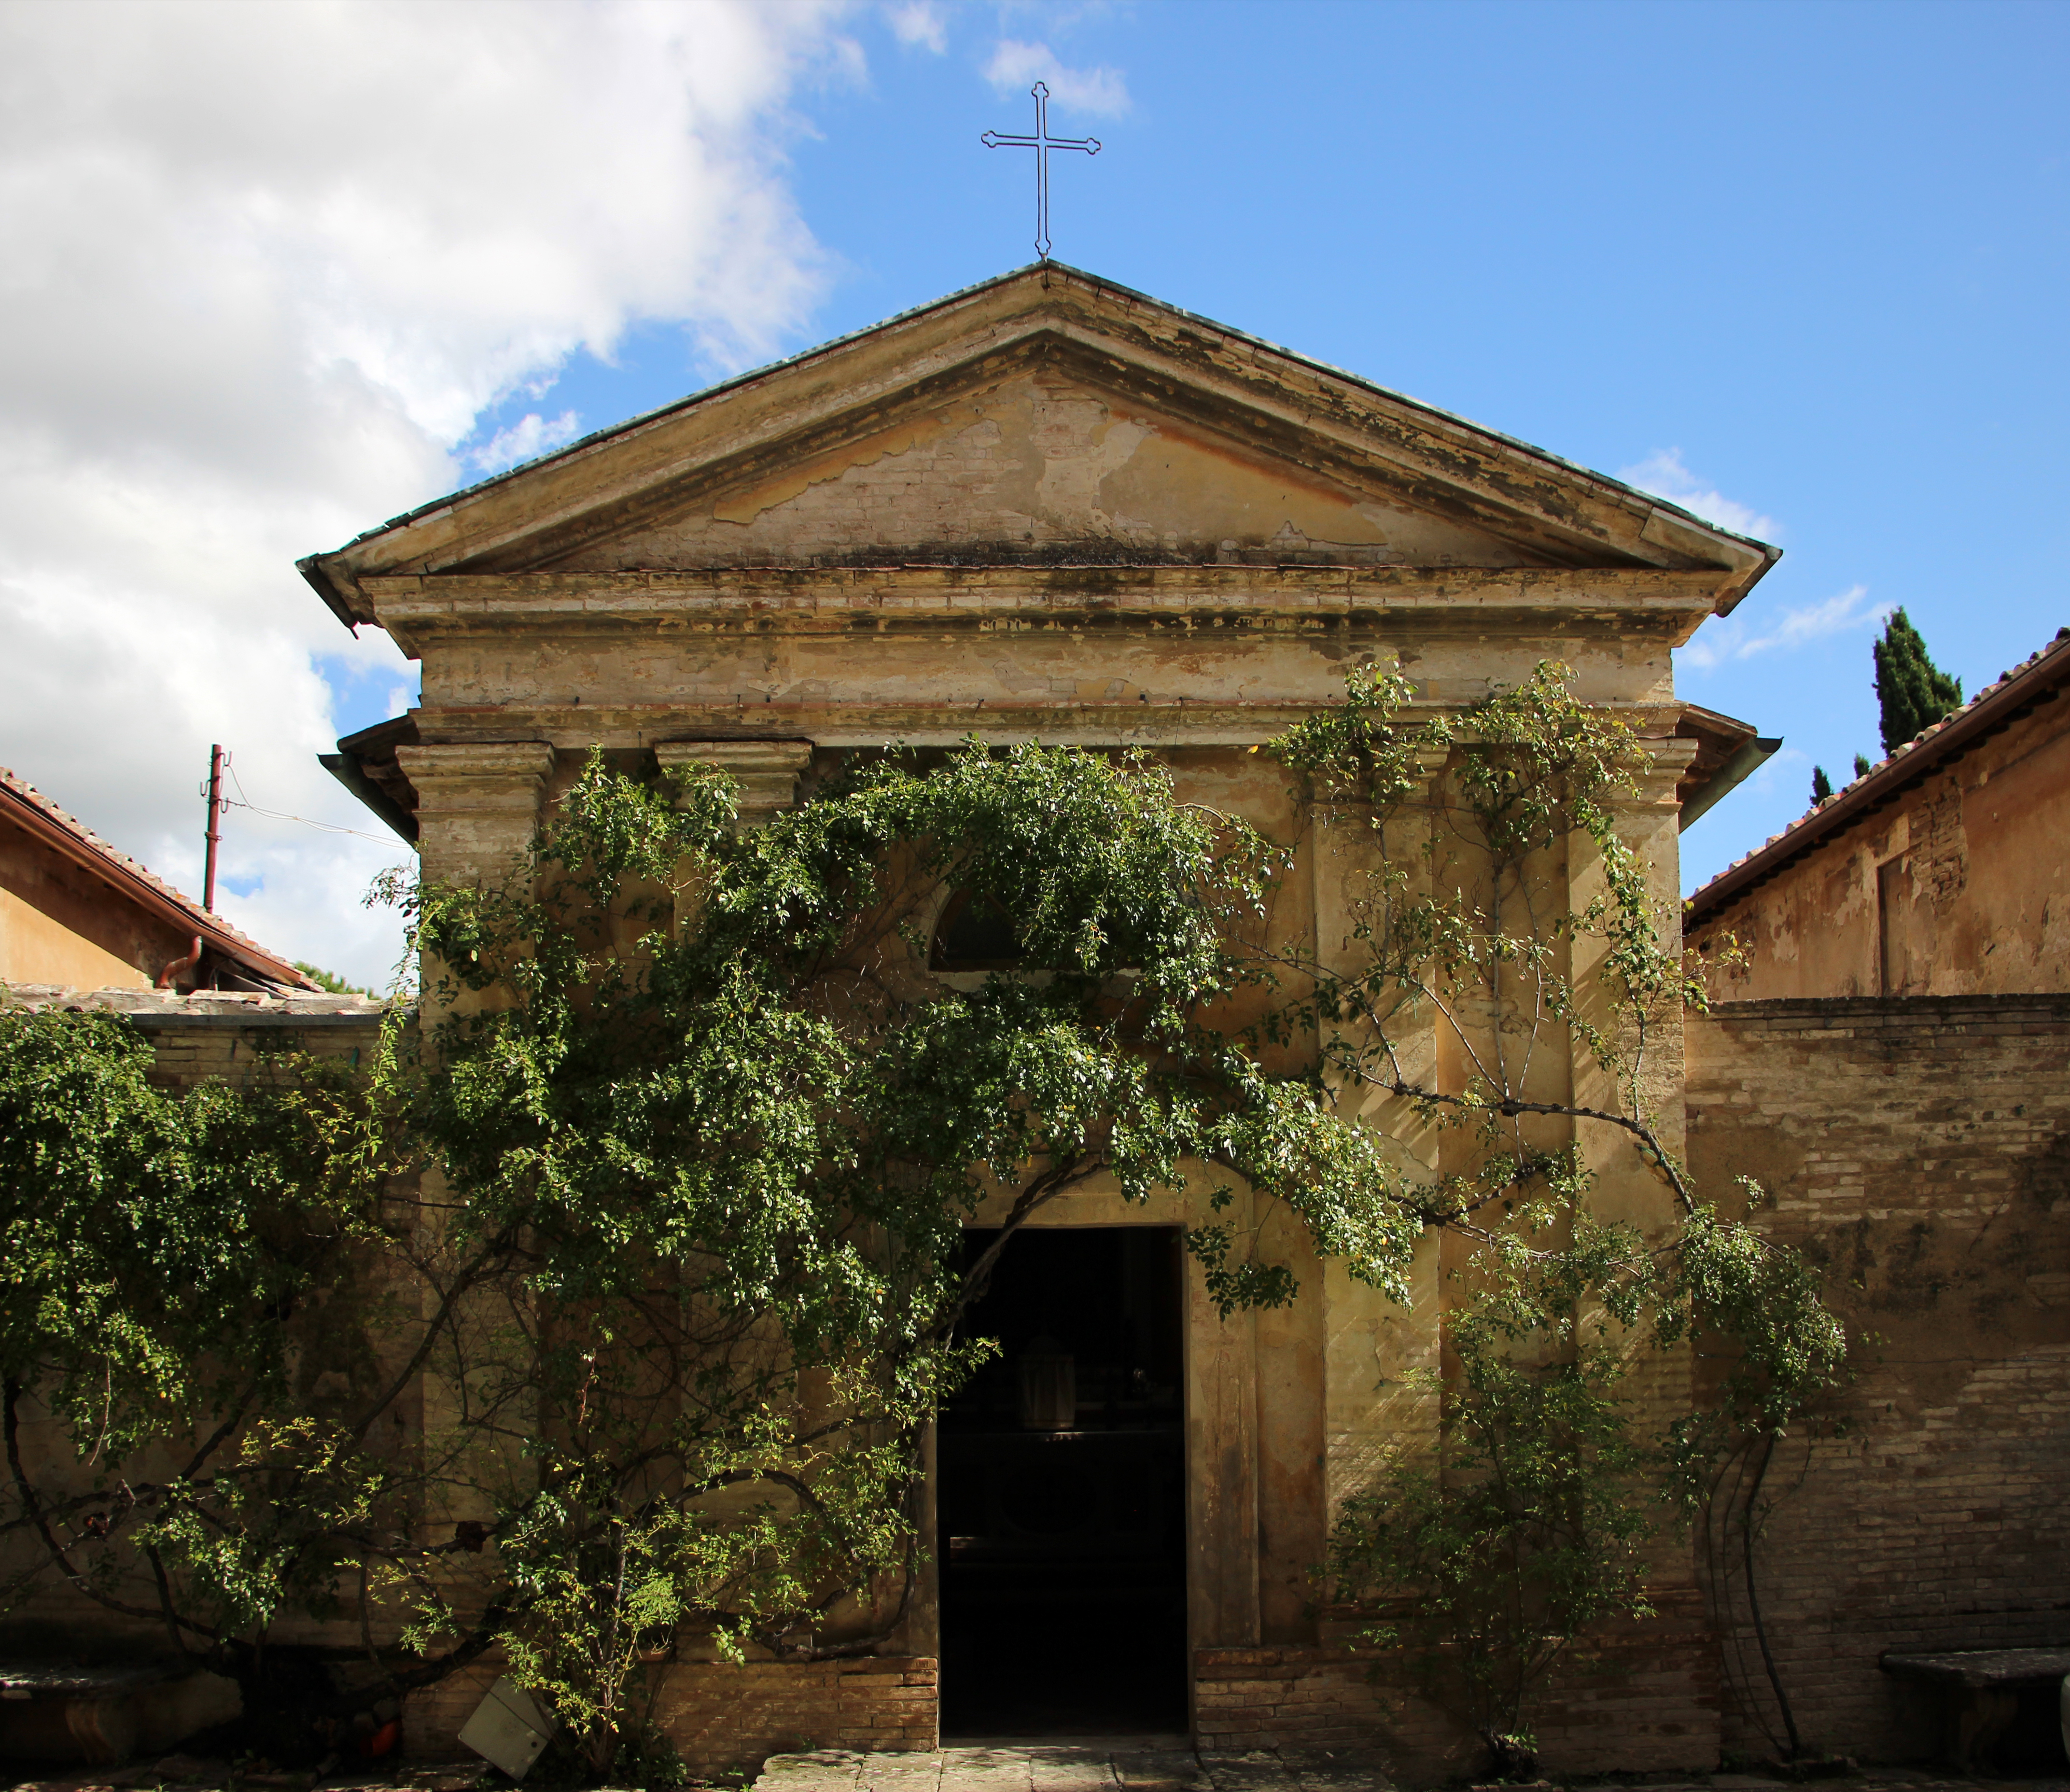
(1062, 1492)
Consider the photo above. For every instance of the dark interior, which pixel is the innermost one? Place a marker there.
(1062, 1493)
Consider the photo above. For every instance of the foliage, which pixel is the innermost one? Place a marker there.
(330, 981)
(1863, 769)
(1821, 785)
(1912, 693)
(1522, 1524)
(673, 1277)
(1527, 1524)
(599, 1318)
(161, 1256)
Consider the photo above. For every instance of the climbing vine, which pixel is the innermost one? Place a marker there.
(598, 1320)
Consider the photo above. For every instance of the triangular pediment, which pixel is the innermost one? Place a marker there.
(1038, 463)
(1047, 417)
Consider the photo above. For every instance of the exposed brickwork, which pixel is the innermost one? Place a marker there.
(1921, 1146)
(1641, 1698)
(720, 1716)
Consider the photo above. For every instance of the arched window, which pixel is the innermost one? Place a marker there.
(974, 933)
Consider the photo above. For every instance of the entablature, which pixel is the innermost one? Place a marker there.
(417, 609)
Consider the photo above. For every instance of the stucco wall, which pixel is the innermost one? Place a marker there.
(59, 924)
(1960, 886)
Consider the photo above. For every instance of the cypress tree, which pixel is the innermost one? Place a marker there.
(1821, 785)
(1913, 692)
(1861, 766)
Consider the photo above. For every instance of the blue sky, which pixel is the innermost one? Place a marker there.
(276, 274)
(1813, 261)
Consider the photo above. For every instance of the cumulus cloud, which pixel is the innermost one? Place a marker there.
(527, 440)
(923, 24)
(266, 266)
(1016, 67)
(1662, 473)
(1738, 636)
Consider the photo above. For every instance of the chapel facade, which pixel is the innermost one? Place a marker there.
(1052, 508)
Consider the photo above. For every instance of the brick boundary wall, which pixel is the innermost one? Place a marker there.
(720, 1717)
(1918, 1147)
(1640, 1696)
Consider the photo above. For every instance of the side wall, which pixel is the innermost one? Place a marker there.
(1920, 1149)
(60, 924)
(1959, 886)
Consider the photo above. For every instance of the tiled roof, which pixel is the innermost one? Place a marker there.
(127, 874)
(1996, 703)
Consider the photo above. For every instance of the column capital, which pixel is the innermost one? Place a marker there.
(478, 804)
(1671, 758)
(767, 771)
(497, 767)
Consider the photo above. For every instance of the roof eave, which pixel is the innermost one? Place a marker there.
(2035, 683)
(88, 857)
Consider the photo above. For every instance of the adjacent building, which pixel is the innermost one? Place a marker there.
(1944, 871)
(76, 912)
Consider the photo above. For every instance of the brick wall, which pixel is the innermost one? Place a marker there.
(720, 1716)
(1920, 1149)
(1638, 1697)
(198, 1034)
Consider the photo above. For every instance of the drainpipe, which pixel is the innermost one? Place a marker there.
(190, 962)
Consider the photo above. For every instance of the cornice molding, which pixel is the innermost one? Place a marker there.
(575, 728)
(821, 599)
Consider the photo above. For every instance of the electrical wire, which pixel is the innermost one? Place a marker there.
(230, 766)
(328, 826)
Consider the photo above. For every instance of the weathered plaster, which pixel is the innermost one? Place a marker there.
(1961, 886)
(1051, 508)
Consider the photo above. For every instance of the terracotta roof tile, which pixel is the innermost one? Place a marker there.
(1700, 897)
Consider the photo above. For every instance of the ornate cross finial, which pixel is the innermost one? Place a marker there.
(1041, 143)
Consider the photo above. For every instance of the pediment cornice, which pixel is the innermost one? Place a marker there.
(1554, 514)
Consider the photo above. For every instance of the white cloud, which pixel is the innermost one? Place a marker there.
(265, 267)
(1734, 637)
(920, 23)
(1663, 474)
(1016, 67)
(527, 440)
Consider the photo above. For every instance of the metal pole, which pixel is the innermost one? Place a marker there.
(215, 827)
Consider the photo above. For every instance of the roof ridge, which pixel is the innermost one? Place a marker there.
(1232, 331)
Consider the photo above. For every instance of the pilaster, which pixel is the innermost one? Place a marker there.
(478, 806)
(1649, 822)
(1364, 872)
(767, 771)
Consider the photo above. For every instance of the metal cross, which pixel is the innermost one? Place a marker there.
(1041, 143)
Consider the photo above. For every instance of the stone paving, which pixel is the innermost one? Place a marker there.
(1149, 1764)
(1131, 1764)
(1165, 1764)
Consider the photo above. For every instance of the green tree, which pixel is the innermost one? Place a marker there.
(1821, 785)
(330, 981)
(601, 1319)
(1912, 692)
